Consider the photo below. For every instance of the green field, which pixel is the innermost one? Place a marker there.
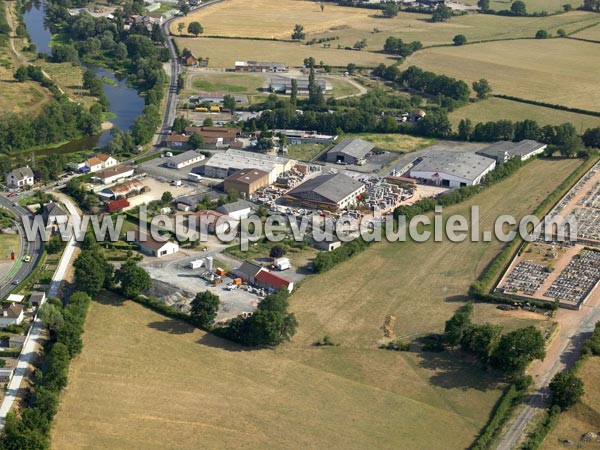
(581, 418)
(394, 142)
(558, 71)
(144, 381)
(231, 83)
(494, 109)
(550, 6)
(304, 152)
(8, 242)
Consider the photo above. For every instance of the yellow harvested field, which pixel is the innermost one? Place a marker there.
(557, 71)
(147, 382)
(263, 19)
(223, 53)
(394, 142)
(581, 418)
(592, 34)
(494, 109)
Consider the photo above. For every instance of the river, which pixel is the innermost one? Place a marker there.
(124, 101)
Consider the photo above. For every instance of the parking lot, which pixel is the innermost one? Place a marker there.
(156, 168)
(179, 281)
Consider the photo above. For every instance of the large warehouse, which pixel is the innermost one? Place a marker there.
(452, 169)
(224, 164)
(349, 151)
(184, 159)
(331, 191)
(502, 151)
(246, 181)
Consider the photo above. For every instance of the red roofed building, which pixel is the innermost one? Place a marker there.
(117, 205)
(272, 282)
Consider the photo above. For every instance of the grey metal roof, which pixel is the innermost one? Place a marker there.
(468, 166)
(356, 148)
(334, 187)
(240, 205)
(184, 157)
(248, 268)
(522, 148)
(22, 172)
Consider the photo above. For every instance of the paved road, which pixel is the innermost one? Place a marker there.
(33, 249)
(33, 339)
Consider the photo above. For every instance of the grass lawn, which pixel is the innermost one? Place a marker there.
(583, 417)
(224, 52)
(494, 109)
(393, 142)
(304, 152)
(211, 393)
(232, 83)
(558, 71)
(8, 242)
(342, 88)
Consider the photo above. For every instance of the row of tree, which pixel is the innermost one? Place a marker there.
(30, 429)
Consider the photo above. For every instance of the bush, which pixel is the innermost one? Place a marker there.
(541, 34)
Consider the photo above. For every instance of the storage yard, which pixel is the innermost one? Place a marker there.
(567, 273)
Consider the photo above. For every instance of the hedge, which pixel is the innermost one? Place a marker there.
(537, 436)
(548, 105)
(501, 412)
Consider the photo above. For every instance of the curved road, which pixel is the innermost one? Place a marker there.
(33, 249)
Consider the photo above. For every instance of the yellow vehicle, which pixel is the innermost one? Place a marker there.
(215, 109)
(27, 258)
(201, 109)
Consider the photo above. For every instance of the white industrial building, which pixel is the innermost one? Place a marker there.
(502, 151)
(184, 159)
(224, 164)
(112, 174)
(452, 169)
(154, 247)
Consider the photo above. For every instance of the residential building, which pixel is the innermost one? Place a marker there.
(452, 169)
(153, 247)
(502, 151)
(177, 141)
(37, 298)
(350, 151)
(190, 60)
(248, 271)
(53, 215)
(11, 314)
(272, 282)
(258, 66)
(184, 159)
(237, 210)
(112, 174)
(246, 181)
(99, 162)
(331, 191)
(189, 202)
(20, 178)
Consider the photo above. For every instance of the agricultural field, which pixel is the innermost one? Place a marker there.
(558, 71)
(263, 19)
(8, 242)
(231, 83)
(494, 109)
(592, 34)
(394, 142)
(550, 6)
(211, 393)
(223, 53)
(581, 418)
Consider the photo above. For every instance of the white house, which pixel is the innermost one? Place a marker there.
(99, 162)
(115, 173)
(237, 210)
(20, 178)
(154, 247)
(11, 315)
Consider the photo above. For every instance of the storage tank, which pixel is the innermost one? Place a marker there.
(209, 263)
